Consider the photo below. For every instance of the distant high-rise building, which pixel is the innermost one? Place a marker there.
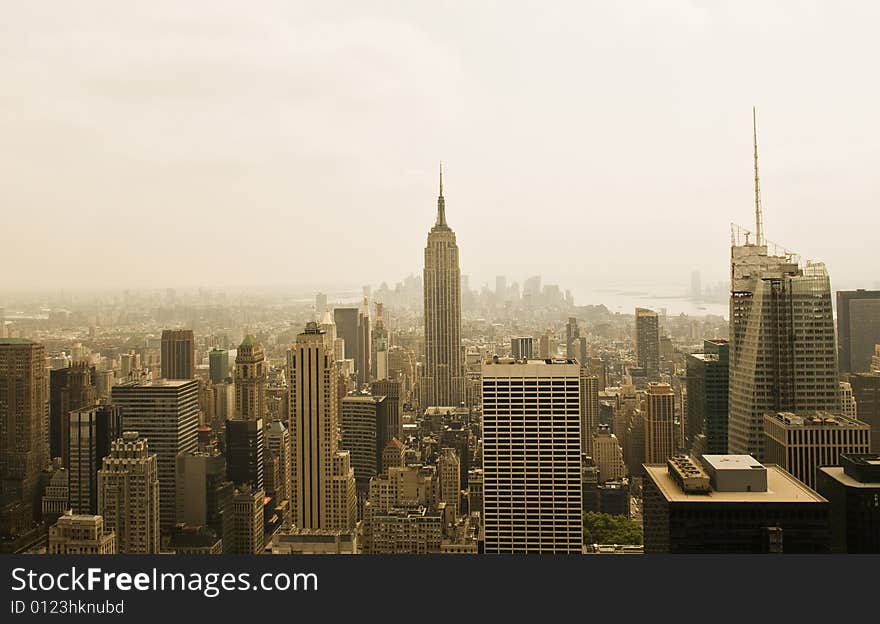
(443, 381)
(607, 455)
(91, 431)
(659, 423)
(278, 446)
(364, 435)
(501, 287)
(346, 320)
(730, 504)
(707, 396)
(379, 347)
(23, 445)
(782, 351)
(70, 388)
(244, 452)
(320, 305)
(324, 495)
(247, 514)
(572, 336)
(852, 490)
(204, 495)
(178, 354)
(696, 286)
(848, 405)
(800, 443)
(449, 472)
(648, 342)
(393, 406)
(522, 348)
(166, 412)
(532, 502)
(858, 328)
(218, 365)
(251, 377)
(128, 494)
(364, 359)
(589, 410)
(81, 535)
(866, 392)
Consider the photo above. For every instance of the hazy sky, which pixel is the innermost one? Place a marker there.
(189, 143)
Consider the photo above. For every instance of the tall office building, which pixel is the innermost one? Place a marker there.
(278, 448)
(866, 392)
(244, 452)
(443, 381)
(648, 342)
(166, 412)
(801, 443)
(204, 495)
(70, 388)
(247, 514)
(449, 472)
(572, 338)
(323, 481)
(707, 396)
(218, 365)
(607, 455)
(346, 320)
(660, 438)
(589, 409)
(128, 494)
(532, 499)
(858, 328)
(364, 360)
(23, 445)
(782, 351)
(522, 348)
(391, 390)
(364, 435)
(178, 354)
(379, 347)
(91, 431)
(251, 378)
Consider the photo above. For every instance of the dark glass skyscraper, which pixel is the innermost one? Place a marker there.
(707, 384)
(858, 328)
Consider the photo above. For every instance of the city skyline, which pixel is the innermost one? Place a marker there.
(175, 189)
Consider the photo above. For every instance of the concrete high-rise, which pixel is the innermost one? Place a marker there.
(218, 365)
(391, 390)
(178, 354)
(91, 432)
(364, 435)
(320, 305)
(572, 337)
(251, 378)
(244, 452)
(70, 388)
(783, 356)
(522, 348)
(364, 360)
(443, 382)
(23, 443)
(858, 328)
(128, 494)
(660, 435)
(166, 412)
(648, 342)
(81, 535)
(323, 481)
(707, 396)
(801, 443)
(204, 495)
(589, 409)
(532, 500)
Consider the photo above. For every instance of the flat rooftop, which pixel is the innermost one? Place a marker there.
(781, 488)
(837, 473)
(156, 383)
(732, 462)
(814, 419)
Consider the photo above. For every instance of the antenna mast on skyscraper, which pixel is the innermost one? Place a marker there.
(759, 218)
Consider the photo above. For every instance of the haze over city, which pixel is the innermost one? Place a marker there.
(597, 144)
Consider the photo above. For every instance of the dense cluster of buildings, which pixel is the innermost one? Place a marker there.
(398, 425)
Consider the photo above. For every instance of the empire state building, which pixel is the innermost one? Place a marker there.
(442, 383)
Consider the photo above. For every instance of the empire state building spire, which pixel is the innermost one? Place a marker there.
(441, 203)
